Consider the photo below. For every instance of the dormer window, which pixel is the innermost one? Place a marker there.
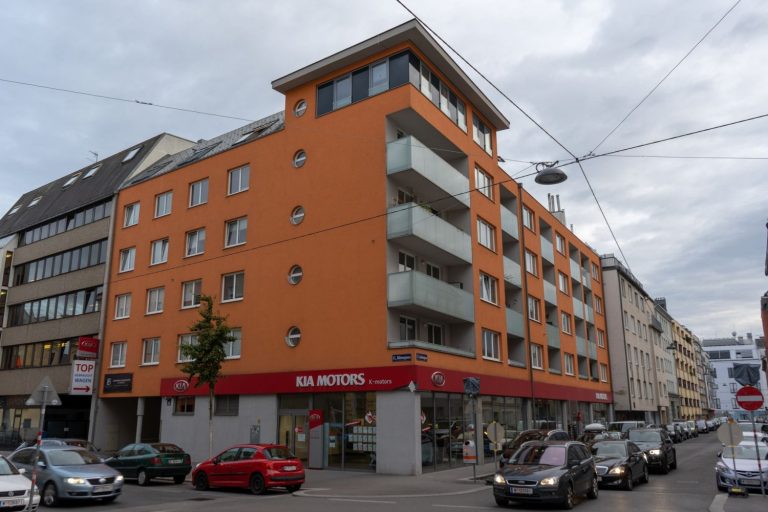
(34, 201)
(70, 181)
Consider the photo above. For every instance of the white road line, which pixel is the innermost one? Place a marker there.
(718, 504)
(473, 507)
(364, 501)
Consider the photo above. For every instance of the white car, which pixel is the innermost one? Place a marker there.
(745, 473)
(14, 488)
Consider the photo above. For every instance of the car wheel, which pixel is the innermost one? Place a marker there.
(502, 502)
(50, 496)
(645, 478)
(179, 479)
(568, 501)
(142, 478)
(630, 483)
(257, 484)
(294, 488)
(201, 481)
(674, 460)
(594, 490)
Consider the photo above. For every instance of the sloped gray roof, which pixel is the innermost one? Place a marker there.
(208, 148)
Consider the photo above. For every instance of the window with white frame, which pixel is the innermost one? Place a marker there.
(565, 321)
(491, 345)
(150, 353)
(198, 192)
(560, 243)
(486, 234)
(484, 183)
(603, 372)
(185, 340)
(131, 214)
(534, 309)
(531, 263)
(238, 180)
(598, 305)
(407, 328)
(159, 252)
(155, 300)
(537, 356)
(528, 218)
(568, 364)
(405, 262)
(232, 347)
(489, 288)
(232, 286)
(435, 334)
(595, 271)
(127, 259)
(163, 204)
(481, 134)
(123, 306)
(190, 293)
(600, 338)
(195, 242)
(562, 282)
(117, 354)
(236, 232)
(432, 270)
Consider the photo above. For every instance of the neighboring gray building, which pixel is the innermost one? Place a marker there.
(54, 262)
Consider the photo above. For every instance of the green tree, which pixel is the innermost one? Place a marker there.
(207, 354)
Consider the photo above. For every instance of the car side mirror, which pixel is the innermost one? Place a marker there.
(719, 454)
(41, 464)
(216, 460)
(22, 471)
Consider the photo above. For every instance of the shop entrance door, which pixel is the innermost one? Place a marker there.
(293, 432)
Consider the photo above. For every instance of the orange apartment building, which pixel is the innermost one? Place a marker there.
(363, 279)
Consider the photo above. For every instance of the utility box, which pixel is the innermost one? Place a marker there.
(470, 452)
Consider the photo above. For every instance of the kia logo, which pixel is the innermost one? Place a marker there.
(438, 379)
(181, 386)
(314, 417)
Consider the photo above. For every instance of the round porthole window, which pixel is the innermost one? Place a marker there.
(300, 108)
(295, 274)
(293, 337)
(297, 215)
(299, 159)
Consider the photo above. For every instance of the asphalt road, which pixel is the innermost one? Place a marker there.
(690, 488)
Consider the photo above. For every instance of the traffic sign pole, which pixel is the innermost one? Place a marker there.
(37, 448)
(757, 452)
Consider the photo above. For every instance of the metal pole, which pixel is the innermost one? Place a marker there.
(474, 420)
(37, 448)
(733, 453)
(757, 450)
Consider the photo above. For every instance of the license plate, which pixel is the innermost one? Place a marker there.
(599, 479)
(289, 468)
(103, 488)
(11, 503)
(750, 482)
(521, 490)
(175, 461)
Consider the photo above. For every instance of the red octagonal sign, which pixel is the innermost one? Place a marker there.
(749, 398)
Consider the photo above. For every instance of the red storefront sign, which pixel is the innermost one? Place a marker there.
(315, 418)
(87, 348)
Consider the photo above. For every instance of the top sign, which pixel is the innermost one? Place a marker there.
(749, 398)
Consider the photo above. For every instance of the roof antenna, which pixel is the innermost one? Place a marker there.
(95, 155)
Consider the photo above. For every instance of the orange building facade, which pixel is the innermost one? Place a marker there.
(363, 279)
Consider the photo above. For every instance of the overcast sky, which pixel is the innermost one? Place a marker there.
(693, 230)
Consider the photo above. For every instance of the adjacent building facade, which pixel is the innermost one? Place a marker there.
(369, 254)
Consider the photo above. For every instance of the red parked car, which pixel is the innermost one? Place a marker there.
(256, 467)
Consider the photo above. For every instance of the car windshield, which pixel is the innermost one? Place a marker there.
(167, 448)
(644, 436)
(72, 458)
(278, 453)
(744, 452)
(6, 468)
(610, 450)
(621, 427)
(537, 454)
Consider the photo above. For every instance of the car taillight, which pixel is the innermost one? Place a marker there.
(155, 461)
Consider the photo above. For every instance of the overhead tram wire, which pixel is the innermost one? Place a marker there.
(632, 111)
(693, 157)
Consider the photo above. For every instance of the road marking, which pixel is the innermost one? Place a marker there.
(718, 504)
(477, 488)
(473, 507)
(365, 501)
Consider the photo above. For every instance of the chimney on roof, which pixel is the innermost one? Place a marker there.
(749, 336)
(554, 208)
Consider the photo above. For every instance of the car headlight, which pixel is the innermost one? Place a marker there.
(119, 478)
(35, 491)
(722, 468)
(76, 481)
(499, 479)
(616, 470)
(654, 452)
(552, 480)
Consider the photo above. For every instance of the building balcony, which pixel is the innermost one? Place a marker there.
(509, 224)
(410, 163)
(512, 273)
(592, 347)
(550, 293)
(421, 294)
(547, 251)
(589, 314)
(586, 279)
(427, 235)
(575, 271)
(656, 324)
(578, 309)
(515, 323)
(553, 336)
(581, 346)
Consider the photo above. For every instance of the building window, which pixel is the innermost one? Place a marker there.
(484, 183)
(232, 286)
(190, 293)
(491, 345)
(238, 180)
(560, 244)
(626, 321)
(531, 263)
(92, 171)
(293, 337)
(185, 340)
(127, 259)
(159, 252)
(405, 262)
(163, 203)
(123, 306)
(131, 153)
(151, 351)
(486, 234)
(568, 364)
(534, 306)
(598, 305)
(595, 272)
(184, 405)
(226, 405)
(528, 218)
(600, 339)
(131, 215)
(75, 303)
(300, 108)
(565, 320)
(117, 354)
(198, 193)
(295, 274)
(71, 180)
(604, 373)
(232, 347)
(297, 215)
(562, 282)
(235, 232)
(407, 328)
(489, 288)
(60, 263)
(404, 197)
(155, 299)
(299, 158)
(481, 134)
(434, 334)
(68, 222)
(433, 270)
(195, 242)
(537, 356)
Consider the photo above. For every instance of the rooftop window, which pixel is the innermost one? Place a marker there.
(14, 209)
(71, 180)
(92, 171)
(131, 154)
(35, 201)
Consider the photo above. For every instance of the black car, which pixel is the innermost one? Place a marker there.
(547, 472)
(675, 432)
(537, 434)
(657, 446)
(619, 464)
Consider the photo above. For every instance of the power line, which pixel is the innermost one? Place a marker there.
(703, 157)
(666, 76)
(126, 100)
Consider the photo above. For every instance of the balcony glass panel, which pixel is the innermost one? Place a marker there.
(422, 294)
(512, 272)
(575, 271)
(550, 293)
(593, 350)
(581, 346)
(547, 251)
(509, 223)
(553, 336)
(515, 323)
(578, 308)
(428, 235)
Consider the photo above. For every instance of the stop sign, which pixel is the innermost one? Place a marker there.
(749, 398)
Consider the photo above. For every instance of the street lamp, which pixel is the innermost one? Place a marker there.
(548, 174)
